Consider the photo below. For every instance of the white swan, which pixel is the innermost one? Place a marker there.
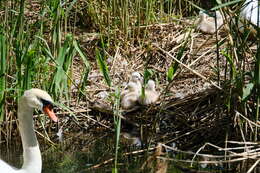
(206, 23)
(249, 11)
(130, 96)
(32, 162)
(151, 95)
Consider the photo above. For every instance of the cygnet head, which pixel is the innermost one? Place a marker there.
(136, 77)
(218, 15)
(39, 99)
(202, 15)
(151, 85)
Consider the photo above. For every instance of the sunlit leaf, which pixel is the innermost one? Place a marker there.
(170, 74)
(225, 4)
(219, 1)
(103, 67)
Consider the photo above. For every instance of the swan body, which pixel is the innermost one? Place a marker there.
(130, 96)
(32, 99)
(206, 23)
(151, 95)
(249, 12)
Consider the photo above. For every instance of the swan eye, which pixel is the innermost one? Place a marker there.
(46, 103)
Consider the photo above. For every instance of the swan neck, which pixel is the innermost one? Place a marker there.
(26, 126)
(31, 152)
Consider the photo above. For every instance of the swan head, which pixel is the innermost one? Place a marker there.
(39, 99)
(136, 77)
(151, 85)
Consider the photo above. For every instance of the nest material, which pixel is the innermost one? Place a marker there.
(191, 102)
(199, 54)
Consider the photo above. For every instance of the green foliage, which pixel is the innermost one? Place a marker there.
(103, 67)
(222, 5)
(3, 67)
(59, 84)
(148, 73)
(117, 122)
(243, 87)
(29, 57)
(174, 67)
(87, 68)
(123, 15)
(170, 73)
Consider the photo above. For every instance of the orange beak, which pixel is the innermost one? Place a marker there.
(48, 110)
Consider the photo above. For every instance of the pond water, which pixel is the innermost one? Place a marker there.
(77, 156)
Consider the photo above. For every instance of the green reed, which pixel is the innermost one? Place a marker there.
(257, 73)
(127, 16)
(117, 123)
(103, 67)
(32, 58)
(101, 61)
(3, 67)
(243, 84)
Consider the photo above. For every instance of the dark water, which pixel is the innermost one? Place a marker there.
(12, 153)
(79, 152)
(77, 156)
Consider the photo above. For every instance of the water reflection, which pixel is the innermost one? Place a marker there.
(81, 151)
(12, 153)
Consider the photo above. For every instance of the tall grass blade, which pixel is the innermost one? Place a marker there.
(225, 4)
(3, 67)
(59, 84)
(29, 69)
(117, 122)
(20, 43)
(147, 75)
(170, 74)
(174, 67)
(103, 67)
(257, 71)
(87, 69)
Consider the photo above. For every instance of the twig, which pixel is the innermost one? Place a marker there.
(253, 166)
(242, 143)
(184, 65)
(207, 162)
(125, 154)
(251, 122)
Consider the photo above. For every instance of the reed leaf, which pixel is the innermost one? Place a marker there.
(59, 84)
(174, 67)
(117, 122)
(103, 67)
(170, 74)
(3, 68)
(87, 68)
